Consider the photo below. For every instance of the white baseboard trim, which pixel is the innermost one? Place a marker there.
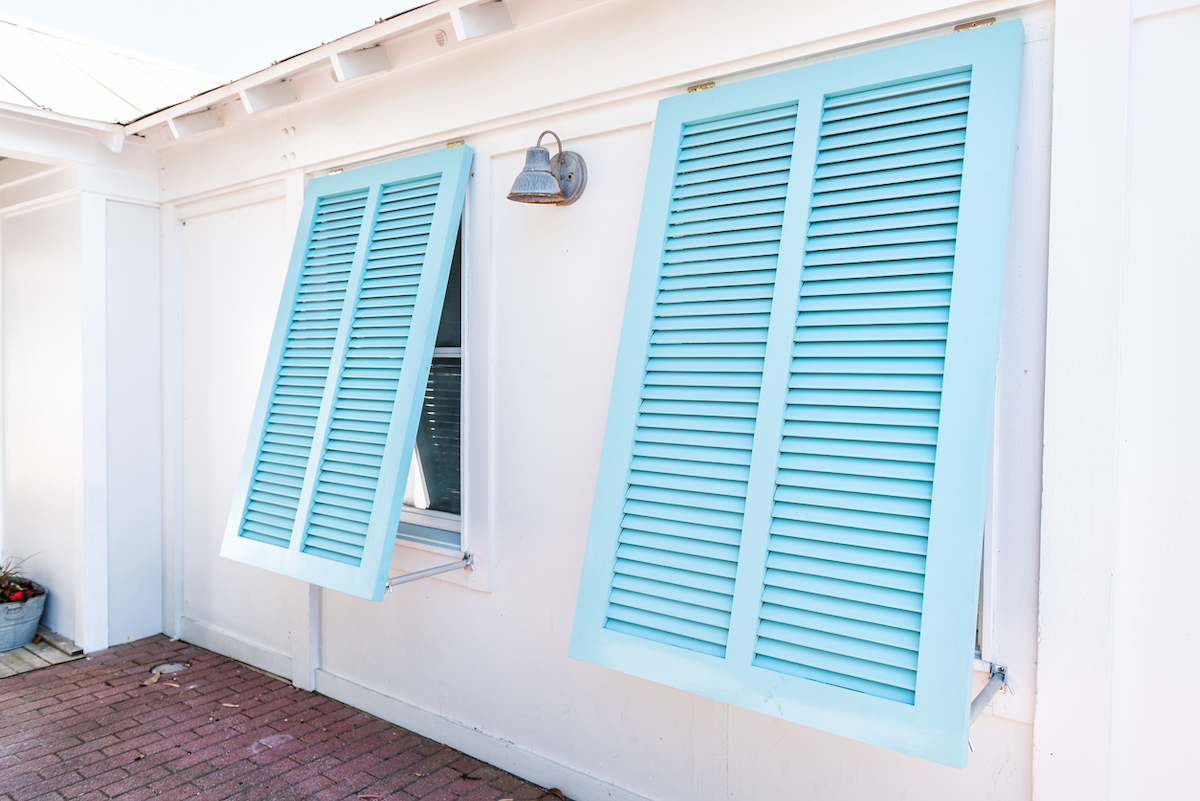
(481, 745)
(234, 647)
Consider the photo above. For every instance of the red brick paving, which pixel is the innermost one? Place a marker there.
(89, 731)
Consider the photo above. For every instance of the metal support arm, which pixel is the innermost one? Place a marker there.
(994, 685)
(467, 562)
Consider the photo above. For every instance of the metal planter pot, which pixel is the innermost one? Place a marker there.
(19, 621)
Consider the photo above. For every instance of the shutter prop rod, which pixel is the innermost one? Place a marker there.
(467, 562)
(997, 682)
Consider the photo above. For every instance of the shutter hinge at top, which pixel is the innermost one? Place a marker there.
(970, 26)
(700, 87)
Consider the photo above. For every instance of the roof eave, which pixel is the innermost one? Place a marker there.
(382, 30)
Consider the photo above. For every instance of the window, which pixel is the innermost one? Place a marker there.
(790, 503)
(432, 512)
(347, 372)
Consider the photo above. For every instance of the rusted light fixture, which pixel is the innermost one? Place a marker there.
(559, 180)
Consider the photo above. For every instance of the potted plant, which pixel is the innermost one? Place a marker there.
(21, 603)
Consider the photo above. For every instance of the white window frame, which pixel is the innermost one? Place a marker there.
(431, 518)
(411, 555)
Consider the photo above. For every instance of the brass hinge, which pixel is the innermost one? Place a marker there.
(700, 87)
(970, 26)
(456, 143)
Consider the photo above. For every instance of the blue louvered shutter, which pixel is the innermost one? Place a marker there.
(322, 481)
(685, 497)
(789, 509)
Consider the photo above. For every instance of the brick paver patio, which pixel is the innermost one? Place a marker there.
(90, 730)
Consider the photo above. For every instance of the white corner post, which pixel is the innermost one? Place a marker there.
(92, 599)
(120, 545)
(171, 306)
(1080, 469)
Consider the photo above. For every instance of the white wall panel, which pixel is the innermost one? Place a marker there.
(43, 403)
(1156, 628)
(234, 262)
(134, 431)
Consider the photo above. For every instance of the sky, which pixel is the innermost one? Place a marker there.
(225, 38)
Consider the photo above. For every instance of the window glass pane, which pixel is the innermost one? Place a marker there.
(449, 333)
(438, 436)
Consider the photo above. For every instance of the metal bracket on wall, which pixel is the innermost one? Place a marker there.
(994, 685)
(997, 682)
(467, 562)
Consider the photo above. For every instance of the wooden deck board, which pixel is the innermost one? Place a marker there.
(60, 642)
(22, 659)
(52, 649)
(49, 653)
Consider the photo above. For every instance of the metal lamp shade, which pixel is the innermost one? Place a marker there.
(536, 183)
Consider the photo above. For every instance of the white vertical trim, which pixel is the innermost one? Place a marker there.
(475, 467)
(465, 430)
(2, 484)
(305, 611)
(293, 203)
(305, 607)
(92, 599)
(989, 588)
(1079, 478)
(172, 417)
(479, 338)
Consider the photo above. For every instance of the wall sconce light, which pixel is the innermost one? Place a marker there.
(559, 180)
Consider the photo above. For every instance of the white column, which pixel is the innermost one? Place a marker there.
(1087, 255)
(171, 300)
(92, 600)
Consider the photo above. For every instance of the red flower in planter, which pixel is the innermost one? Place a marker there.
(16, 596)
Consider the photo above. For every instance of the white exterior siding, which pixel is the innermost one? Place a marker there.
(1155, 627)
(1090, 544)
(43, 401)
(233, 263)
(487, 670)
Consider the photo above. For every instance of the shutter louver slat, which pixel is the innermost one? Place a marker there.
(678, 547)
(308, 351)
(854, 478)
(365, 396)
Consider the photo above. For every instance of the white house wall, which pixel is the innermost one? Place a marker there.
(233, 264)
(483, 667)
(1155, 624)
(43, 401)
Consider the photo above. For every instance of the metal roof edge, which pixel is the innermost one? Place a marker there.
(46, 115)
(382, 30)
(132, 55)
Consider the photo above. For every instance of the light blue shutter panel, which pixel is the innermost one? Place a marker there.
(856, 546)
(678, 544)
(850, 524)
(300, 374)
(321, 486)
